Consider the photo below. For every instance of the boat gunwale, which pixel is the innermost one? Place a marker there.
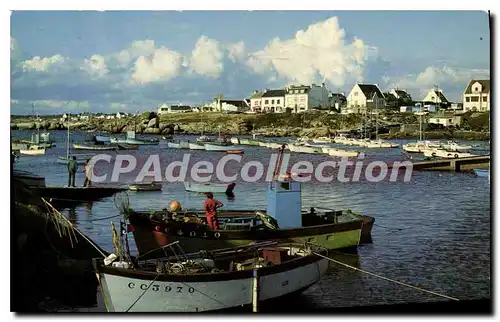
(289, 265)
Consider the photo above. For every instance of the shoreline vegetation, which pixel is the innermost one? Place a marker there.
(475, 126)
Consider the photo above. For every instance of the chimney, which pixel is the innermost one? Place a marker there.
(255, 91)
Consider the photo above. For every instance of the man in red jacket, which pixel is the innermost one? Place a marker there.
(210, 207)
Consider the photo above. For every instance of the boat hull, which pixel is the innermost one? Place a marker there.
(94, 148)
(146, 187)
(216, 147)
(204, 292)
(196, 146)
(150, 235)
(32, 152)
(205, 187)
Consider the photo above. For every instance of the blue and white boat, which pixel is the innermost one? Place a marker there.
(482, 172)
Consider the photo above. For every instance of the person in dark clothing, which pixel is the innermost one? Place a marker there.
(210, 208)
(72, 167)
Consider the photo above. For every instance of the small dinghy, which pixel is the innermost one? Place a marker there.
(209, 280)
(209, 187)
(152, 186)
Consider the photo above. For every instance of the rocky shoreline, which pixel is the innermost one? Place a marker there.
(269, 125)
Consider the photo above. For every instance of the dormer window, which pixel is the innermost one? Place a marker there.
(476, 89)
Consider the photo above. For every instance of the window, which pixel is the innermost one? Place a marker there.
(474, 98)
(272, 101)
(355, 93)
(432, 98)
(485, 98)
(302, 91)
(277, 101)
(476, 89)
(467, 99)
(450, 120)
(266, 102)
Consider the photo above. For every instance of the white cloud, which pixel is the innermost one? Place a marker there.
(236, 51)
(42, 64)
(136, 49)
(95, 66)
(206, 58)
(116, 105)
(316, 54)
(451, 79)
(163, 65)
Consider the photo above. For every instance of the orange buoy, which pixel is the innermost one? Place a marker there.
(175, 206)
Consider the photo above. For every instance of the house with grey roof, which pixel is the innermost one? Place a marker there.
(363, 97)
(256, 101)
(273, 101)
(477, 95)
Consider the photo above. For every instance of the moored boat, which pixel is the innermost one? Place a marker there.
(340, 153)
(454, 146)
(210, 281)
(196, 146)
(203, 187)
(219, 147)
(283, 220)
(178, 145)
(33, 150)
(127, 146)
(152, 186)
(304, 149)
(482, 172)
(442, 153)
(94, 147)
(322, 139)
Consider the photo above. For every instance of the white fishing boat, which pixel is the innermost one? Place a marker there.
(94, 147)
(340, 153)
(196, 146)
(454, 146)
(441, 153)
(203, 139)
(33, 150)
(322, 139)
(178, 145)
(213, 281)
(203, 187)
(219, 147)
(304, 149)
(380, 144)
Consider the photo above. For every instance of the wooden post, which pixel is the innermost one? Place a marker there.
(255, 296)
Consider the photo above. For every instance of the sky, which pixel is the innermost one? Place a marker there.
(110, 61)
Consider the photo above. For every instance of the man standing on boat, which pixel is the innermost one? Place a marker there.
(210, 207)
(72, 166)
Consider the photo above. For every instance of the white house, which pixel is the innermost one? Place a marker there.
(256, 102)
(446, 120)
(166, 109)
(363, 97)
(477, 95)
(436, 96)
(223, 105)
(120, 115)
(273, 101)
(300, 98)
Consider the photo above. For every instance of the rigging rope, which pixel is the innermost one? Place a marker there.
(387, 279)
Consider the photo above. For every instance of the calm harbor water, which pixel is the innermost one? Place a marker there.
(432, 232)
